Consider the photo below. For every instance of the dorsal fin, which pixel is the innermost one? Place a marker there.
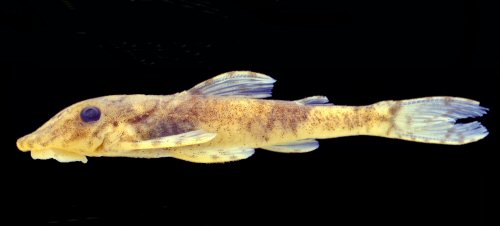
(314, 100)
(236, 83)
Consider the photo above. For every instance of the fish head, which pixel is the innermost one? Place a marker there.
(83, 129)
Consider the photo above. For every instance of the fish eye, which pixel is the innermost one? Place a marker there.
(90, 114)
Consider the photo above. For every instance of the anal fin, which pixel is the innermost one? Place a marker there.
(299, 146)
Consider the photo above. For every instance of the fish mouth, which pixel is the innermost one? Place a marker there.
(28, 144)
(59, 155)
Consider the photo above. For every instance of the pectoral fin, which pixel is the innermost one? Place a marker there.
(183, 139)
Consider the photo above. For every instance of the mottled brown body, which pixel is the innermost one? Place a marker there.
(237, 121)
(243, 122)
(224, 119)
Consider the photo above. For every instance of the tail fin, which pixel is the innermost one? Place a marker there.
(433, 120)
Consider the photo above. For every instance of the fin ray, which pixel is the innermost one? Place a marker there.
(183, 139)
(213, 156)
(236, 83)
(299, 146)
(433, 120)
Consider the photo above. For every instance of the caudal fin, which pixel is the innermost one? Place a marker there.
(433, 120)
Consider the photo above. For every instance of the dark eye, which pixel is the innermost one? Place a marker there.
(90, 114)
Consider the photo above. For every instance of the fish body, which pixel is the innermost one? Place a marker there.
(225, 118)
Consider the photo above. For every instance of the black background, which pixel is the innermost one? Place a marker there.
(355, 52)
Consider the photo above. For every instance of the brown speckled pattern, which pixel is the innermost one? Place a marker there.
(232, 117)
(234, 126)
(336, 121)
(238, 123)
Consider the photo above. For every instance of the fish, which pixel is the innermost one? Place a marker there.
(227, 117)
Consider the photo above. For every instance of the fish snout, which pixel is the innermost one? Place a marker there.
(24, 143)
(31, 141)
